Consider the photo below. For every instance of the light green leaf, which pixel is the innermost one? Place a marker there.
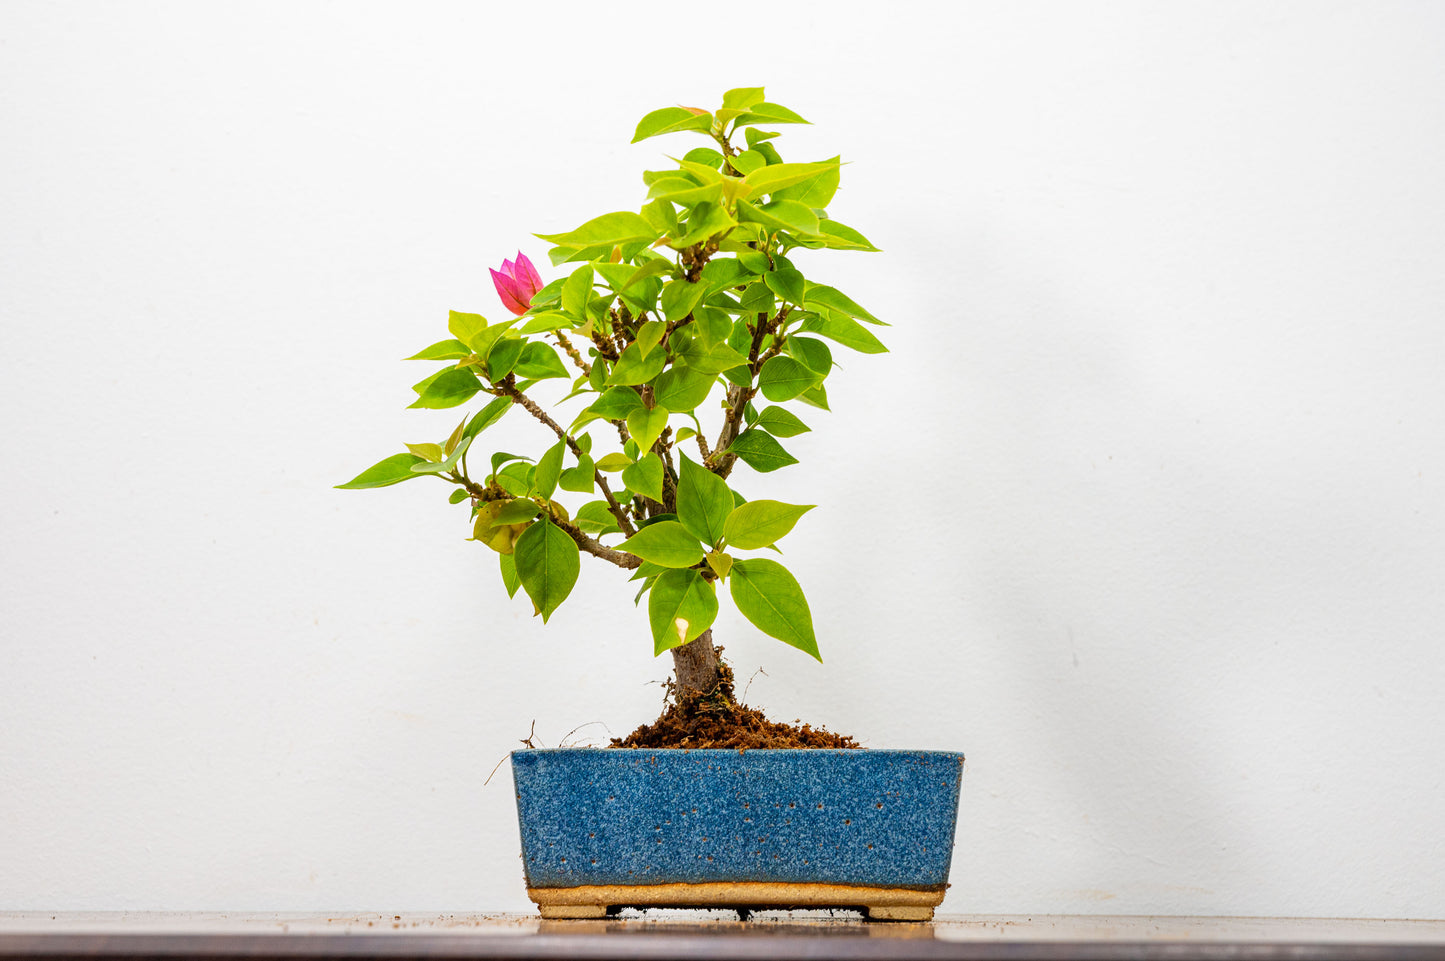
(392, 470)
(820, 296)
(547, 565)
(429, 452)
(741, 98)
(576, 292)
(679, 297)
(768, 113)
(465, 326)
(775, 177)
(613, 462)
(539, 362)
(450, 388)
(518, 510)
(581, 479)
(683, 388)
(667, 543)
(670, 120)
(781, 423)
(646, 426)
(711, 360)
(681, 605)
(503, 357)
(816, 191)
(720, 563)
(595, 517)
(616, 403)
(442, 350)
(549, 470)
(814, 354)
(842, 237)
(703, 501)
(680, 189)
(622, 227)
(645, 476)
(845, 331)
(762, 523)
(649, 335)
(487, 416)
(633, 368)
(787, 283)
(760, 451)
(770, 597)
(783, 378)
(510, 580)
(546, 321)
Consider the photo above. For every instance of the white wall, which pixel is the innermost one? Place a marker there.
(1143, 512)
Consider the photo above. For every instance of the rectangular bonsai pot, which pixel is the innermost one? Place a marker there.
(604, 829)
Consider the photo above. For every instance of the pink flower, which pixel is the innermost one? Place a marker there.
(517, 283)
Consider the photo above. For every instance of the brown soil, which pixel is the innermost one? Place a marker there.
(717, 720)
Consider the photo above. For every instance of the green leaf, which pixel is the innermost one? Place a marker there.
(706, 220)
(644, 476)
(518, 510)
(670, 120)
(450, 388)
(681, 606)
(649, 335)
(487, 416)
(549, 470)
(613, 462)
(682, 388)
(762, 523)
(711, 360)
(646, 426)
(510, 580)
(787, 283)
(680, 189)
(814, 354)
(442, 350)
(783, 378)
(781, 423)
(775, 177)
(748, 161)
(704, 155)
(845, 331)
(539, 362)
(429, 452)
(577, 291)
(616, 403)
(546, 321)
(465, 326)
(633, 368)
(596, 517)
(816, 191)
(757, 299)
(771, 599)
(622, 227)
(786, 215)
(580, 479)
(760, 451)
(703, 501)
(821, 296)
(503, 357)
(679, 297)
(725, 272)
(392, 470)
(842, 237)
(817, 397)
(741, 98)
(668, 543)
(720, 563)
(768, 113)
(547, 565)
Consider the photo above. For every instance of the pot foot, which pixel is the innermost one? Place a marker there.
(602, 900)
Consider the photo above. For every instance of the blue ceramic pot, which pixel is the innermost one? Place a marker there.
(607, 828)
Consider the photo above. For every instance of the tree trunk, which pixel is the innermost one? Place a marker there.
(695, 665)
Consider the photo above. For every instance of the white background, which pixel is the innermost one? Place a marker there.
(1143, 512)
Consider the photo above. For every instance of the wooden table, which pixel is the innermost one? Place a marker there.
(703, 935)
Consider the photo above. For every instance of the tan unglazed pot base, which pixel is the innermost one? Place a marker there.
(598, 900)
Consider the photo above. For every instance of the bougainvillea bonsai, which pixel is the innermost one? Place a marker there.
(687, 320)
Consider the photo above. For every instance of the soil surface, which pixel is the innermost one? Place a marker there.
(717, 720)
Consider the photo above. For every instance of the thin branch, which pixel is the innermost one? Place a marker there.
(510, 389)
(596, 548)
(572, 352)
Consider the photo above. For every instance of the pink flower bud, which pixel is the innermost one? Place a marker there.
(517, 283)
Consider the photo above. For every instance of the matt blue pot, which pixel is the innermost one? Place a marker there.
(604, 828)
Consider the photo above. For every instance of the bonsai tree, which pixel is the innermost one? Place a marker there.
(691, 334)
